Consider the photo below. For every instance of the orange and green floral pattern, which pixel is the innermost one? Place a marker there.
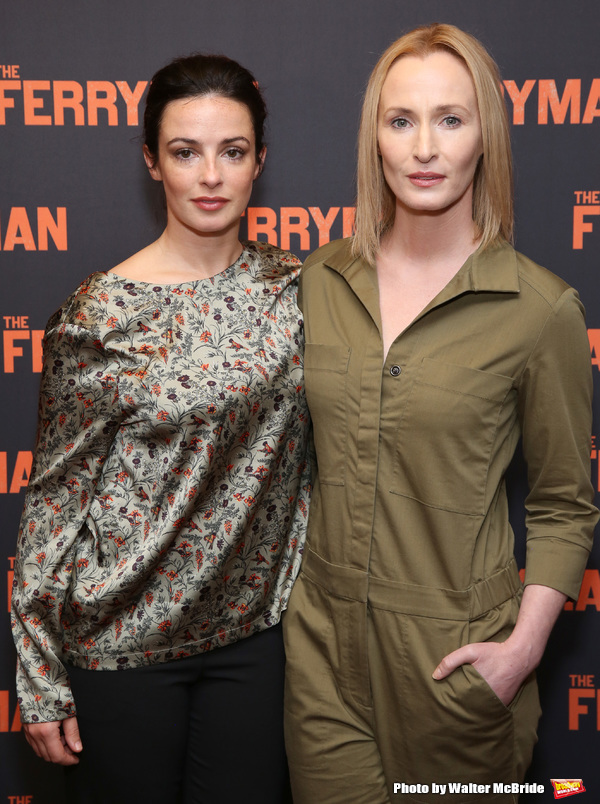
(167, 504)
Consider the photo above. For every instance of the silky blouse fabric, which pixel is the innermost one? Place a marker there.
(166, 508)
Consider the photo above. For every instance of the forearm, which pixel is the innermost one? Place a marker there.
(539, 611)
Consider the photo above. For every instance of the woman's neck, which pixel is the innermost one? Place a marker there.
(418, 256)
(182, 255)
(197, 255)
(430, 239)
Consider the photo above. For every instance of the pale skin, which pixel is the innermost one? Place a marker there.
(206, 150)
(506, 665)
(207, 163)
(57, 741)
(429, 140)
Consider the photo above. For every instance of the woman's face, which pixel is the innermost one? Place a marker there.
(429, 133)
(206, 162)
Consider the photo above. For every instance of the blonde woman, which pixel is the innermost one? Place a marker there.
(432, 347)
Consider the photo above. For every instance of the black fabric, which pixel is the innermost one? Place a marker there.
(200, 730)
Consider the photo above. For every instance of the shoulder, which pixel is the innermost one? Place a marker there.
(329, 266)
(141, 265)
(535, 290)
(335, 254)
(271, 261)
(541, 282)
(549, 308)
(550, 300)
(86, 307)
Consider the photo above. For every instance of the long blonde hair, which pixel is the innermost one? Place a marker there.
(493, 183)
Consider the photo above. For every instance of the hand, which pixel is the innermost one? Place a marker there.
(57, 741)
(506, 665)
(503, 668)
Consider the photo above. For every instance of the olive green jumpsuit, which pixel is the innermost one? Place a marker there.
(410, 552)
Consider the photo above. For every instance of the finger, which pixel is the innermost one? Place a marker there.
(67, 758)
(46, 741)
(33, 742)
(53, 743)
(61, 754)
(71, 732)
(59, 750)
(41, 737)
(465, 655)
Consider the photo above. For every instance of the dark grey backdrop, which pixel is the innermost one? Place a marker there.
(312, 60)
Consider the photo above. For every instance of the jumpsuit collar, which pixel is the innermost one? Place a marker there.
(493, 270)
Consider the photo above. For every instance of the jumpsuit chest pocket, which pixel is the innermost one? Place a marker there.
(447, 436)
(326, 375)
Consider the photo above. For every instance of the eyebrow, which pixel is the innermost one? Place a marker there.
(445, 107)
(191, 141)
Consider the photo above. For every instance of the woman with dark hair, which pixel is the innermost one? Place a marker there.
(432, 347)
(165, 513)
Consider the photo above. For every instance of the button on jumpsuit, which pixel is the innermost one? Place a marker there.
(410, 552)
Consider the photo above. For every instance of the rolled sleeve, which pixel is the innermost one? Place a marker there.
(555, 396)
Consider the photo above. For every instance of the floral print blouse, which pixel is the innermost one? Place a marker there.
(166, 509)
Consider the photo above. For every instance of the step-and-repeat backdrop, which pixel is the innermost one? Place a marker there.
(75, 198)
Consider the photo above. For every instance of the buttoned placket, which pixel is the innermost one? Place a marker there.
(380, 397)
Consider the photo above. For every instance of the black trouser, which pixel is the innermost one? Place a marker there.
(201, 730)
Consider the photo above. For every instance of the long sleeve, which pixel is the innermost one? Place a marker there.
(166, 510)
(555, 411)
(79, 414)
